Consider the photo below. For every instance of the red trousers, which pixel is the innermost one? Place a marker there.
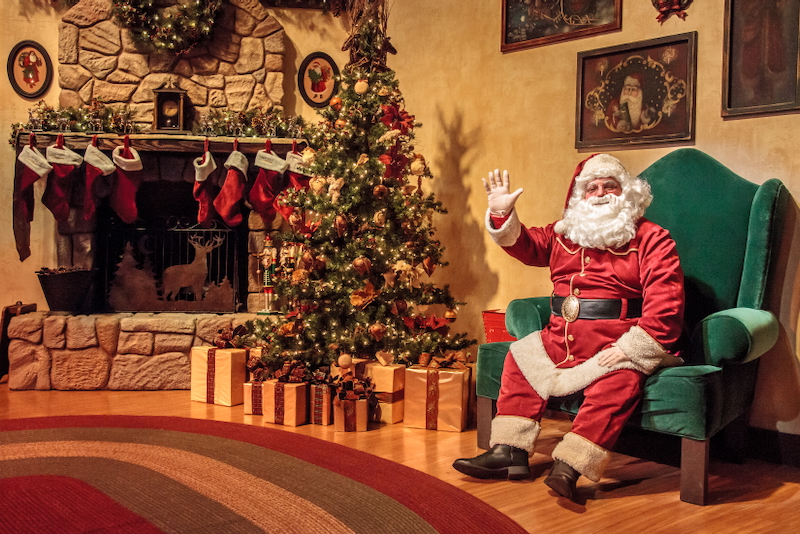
(609, 402)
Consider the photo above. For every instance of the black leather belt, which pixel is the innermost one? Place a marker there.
(573, 308)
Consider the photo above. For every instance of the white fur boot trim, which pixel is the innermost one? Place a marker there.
(506, 235)
(95, 157)
(519, 432)
(587, 458)
(133, 164)
(295, 162)
(63, 156)
(35, 161)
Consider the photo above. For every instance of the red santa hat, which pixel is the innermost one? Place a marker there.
(593, 167)
(635, 78)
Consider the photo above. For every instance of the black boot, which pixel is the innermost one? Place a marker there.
(501, 461)
(562, 479)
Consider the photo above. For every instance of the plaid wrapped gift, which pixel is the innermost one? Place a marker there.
(218, 375)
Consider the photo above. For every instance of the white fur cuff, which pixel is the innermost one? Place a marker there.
(270, 161)
(237, 160)
(506, 235)
(132, 164)
(644, 351)
(204, 166)
(586, 457)
(63, 156)
(295, 162)
(94, 157)
(35, 161)
(519, 432)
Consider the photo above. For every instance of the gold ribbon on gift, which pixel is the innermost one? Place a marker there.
(292, 371)
(210, 375)
(432, 399)
(349, 410)
(389, 397)
(280, 403)
(452, 360)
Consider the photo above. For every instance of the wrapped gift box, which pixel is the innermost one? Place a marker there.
(218, 375)
(386, 378)
(359, 366)
(436, 398)
(322, 404)
(350, 415)
(494, 324)
(281, 403)
(389, 408)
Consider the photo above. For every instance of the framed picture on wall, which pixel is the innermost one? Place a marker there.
(637, 93)
(317, 79)
(760, 60)
(527, 23)
(30, 70)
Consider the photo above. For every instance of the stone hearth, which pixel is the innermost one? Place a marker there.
(129, 351)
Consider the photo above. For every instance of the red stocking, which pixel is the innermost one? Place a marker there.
(268, 183)
(203, 167)
(97, 164)
(232, 193)
(35, 166)
(123, 195)
(59, 183)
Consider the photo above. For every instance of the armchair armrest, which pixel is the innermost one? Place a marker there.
(736, 335)
(525, 316)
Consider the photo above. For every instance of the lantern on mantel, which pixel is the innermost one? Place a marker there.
(170, 106)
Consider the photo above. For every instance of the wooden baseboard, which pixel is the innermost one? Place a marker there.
(773, 446)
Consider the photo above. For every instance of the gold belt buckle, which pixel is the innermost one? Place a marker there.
(570, 308)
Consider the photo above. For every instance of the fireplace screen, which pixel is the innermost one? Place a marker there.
(171, 269)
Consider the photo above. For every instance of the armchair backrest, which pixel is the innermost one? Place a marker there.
(725, 227)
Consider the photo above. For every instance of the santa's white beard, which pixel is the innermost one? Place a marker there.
(600, 222)
(634, 107)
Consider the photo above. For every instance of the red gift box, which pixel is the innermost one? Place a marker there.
(494, 323)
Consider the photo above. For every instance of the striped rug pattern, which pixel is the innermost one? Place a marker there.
(167, 474)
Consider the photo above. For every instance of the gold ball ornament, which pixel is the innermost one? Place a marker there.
(336, 103)
(345, 361)
(362, 265)
(340, 123)
(361, 87)
(377, 330)
(380, 191)
(418, 165)
(309, 155)
(451, 314)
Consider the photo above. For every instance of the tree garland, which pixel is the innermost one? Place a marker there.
(175, 29)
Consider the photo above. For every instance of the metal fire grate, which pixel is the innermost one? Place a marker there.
(142, 265)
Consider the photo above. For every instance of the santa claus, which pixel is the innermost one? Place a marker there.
(629, 112)
(617, 316)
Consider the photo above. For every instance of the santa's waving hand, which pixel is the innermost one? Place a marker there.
(501, 200)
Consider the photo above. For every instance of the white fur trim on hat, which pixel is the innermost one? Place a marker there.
(295, 162)
(95, 157)
(599, 166)
(508, 233)
(132, 164)
(586, 457)
(270, 161)
(204, 166)
(237, 160)
(519, 432)
(35, 161)
(63, 156)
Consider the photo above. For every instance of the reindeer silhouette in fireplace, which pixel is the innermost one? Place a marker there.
(191, 275)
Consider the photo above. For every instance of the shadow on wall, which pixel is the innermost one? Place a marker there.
(468, 274)
(777, 396)
(27, 8)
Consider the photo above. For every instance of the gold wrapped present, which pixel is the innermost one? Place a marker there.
(388, 408)
(281, 403)
(386, 378)
(218, 375)
(322, 404)
(359, 366)
(350, 415)
(436, 398)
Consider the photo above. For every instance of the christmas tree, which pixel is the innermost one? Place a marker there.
(355, 266)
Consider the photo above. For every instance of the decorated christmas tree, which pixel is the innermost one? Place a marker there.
(354, 269)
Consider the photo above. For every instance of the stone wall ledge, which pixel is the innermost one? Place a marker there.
(119, 351)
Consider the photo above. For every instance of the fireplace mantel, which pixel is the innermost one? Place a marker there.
(145, 142)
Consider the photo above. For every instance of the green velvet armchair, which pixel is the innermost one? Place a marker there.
(726, 230)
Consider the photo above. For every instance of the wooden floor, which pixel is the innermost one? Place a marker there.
(635, 496)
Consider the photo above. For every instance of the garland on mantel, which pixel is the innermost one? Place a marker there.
(175, 29)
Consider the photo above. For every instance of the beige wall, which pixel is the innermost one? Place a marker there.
(481, 109)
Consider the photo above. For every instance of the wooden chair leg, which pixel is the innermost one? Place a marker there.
(694, 471)
(487, 409)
